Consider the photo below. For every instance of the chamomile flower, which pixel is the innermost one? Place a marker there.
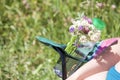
(94, 38)
(90, 33)
(83, 39)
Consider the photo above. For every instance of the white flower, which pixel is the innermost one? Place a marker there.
(84, 22)
(83, 39)
(94, 37)
(90, 33)
(76, 23)
(98, 33)
(113, 6)
(92, 26)
(73, 21)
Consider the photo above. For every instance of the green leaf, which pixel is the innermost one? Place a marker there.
(98, 23)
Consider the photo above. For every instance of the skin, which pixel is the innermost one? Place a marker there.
(117, 67)
(97, 76)
(101, 65)
(102, 75)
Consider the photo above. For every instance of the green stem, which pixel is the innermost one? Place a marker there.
(70, 48)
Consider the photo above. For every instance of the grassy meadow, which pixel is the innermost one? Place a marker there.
(22, 57)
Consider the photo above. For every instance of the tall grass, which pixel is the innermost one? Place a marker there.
(24, 58)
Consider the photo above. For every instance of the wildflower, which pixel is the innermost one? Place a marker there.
(76, 23)
(80, 28)
(26, 4)
(99, 5)
(84, 22)
(113, 7)
(94, 37)
(72, 28)
(88, 19)
(98, 32)
(83, 39)
(92, 27)
(24, 1)
(86, 29)
(90, 33)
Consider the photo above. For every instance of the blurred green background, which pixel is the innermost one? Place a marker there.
(22, 57)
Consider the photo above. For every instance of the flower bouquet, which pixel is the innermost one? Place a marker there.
(85, 33)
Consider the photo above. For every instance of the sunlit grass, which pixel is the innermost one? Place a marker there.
(22, 57)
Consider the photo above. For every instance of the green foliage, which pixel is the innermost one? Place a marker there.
(24, 58)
